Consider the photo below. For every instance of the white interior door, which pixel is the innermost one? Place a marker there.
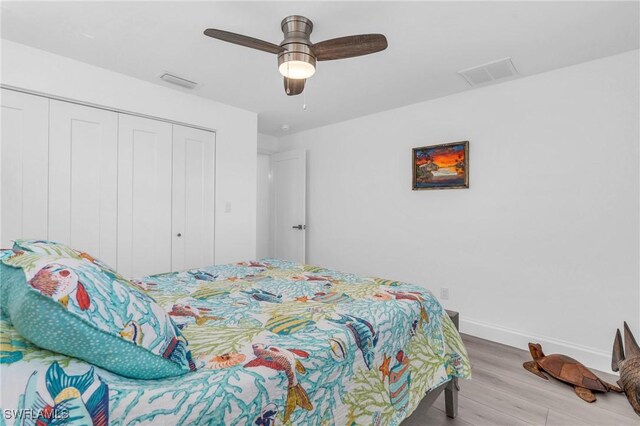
(144, 196)
(24, 166)
(83, 167)
(289, 171)
(193, 198)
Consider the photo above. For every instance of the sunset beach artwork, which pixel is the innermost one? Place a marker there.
(442, 166)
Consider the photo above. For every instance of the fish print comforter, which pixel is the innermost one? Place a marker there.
(276, 343)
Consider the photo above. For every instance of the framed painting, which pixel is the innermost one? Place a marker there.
(444, 166)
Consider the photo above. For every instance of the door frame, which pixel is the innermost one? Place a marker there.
(100, 106)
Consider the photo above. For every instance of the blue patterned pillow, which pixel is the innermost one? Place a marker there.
(72, 306)
(62, 250)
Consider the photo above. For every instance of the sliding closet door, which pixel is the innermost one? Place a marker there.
(83, 155)
(24, 166)
(144, 196)
(193, 198)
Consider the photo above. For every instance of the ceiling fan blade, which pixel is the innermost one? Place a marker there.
(349, 46)
(243, 40)
(293, 87)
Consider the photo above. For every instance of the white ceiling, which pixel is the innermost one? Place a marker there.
(428, 43)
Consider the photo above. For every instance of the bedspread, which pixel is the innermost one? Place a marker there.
(276, 343)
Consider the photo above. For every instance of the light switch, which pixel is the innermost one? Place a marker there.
(227, 207)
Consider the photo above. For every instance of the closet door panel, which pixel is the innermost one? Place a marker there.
(144, 196)
(24, 166)
(193, 198)
(83, 178)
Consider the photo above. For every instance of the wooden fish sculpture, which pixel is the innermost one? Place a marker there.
(627, 361)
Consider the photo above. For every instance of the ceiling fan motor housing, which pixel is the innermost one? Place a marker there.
(297, 30)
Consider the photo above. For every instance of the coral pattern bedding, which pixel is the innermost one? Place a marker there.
(276, 343)
(68, 304)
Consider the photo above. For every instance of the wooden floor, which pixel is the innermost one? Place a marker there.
(503, 393)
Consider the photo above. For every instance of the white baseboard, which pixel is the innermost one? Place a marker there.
(591, 357)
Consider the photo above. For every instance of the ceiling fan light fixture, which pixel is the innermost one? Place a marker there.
(297, 70)
(297, 62)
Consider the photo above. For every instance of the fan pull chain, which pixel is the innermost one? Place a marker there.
(304, 100)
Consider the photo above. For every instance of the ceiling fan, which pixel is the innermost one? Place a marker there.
(297, 55)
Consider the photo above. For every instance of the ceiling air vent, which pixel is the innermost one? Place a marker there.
(174, 79)
(491, 71)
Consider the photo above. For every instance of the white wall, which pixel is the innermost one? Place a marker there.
(236, 129)
(263, 215)
(544, 244)
(267, 144)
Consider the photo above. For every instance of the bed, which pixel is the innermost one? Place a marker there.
(276, 343)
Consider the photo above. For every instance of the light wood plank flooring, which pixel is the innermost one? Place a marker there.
(503, 393)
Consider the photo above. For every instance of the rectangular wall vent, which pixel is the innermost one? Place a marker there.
(491, 71)
(174, 79)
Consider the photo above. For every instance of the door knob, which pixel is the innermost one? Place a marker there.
(179, 235)
(300, 227)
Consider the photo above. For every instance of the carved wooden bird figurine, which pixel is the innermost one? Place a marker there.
(627, 361)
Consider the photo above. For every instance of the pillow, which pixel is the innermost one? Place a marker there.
(45, 247)
(53, 248)
(71, 306)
